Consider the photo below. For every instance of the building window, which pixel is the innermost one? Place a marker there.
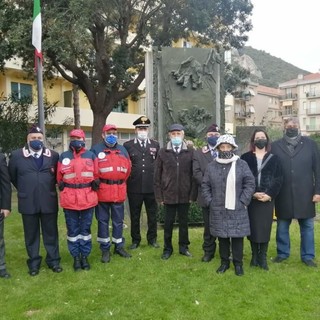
(121, 106)
(21, 91)
(186, 44)
(67, 99)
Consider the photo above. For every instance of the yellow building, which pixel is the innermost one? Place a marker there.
(15, 81)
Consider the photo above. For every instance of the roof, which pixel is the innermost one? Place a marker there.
(268, 91)
(302, 79)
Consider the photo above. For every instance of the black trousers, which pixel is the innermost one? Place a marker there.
(236, 249)
(209, 241)
(49, 229)
(2, 247)
(170, 211)
(136, 201)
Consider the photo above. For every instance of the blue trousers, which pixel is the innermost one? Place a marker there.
(105, 210)
(307, 251)
(79, 231)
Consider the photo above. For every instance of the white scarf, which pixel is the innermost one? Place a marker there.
(230, 197)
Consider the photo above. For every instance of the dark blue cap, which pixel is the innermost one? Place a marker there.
(176, 127)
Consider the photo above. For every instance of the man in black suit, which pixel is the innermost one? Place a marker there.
(33, 172)
(202, 157)
(5, 207)
(142, 152)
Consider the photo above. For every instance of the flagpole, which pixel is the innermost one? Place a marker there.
(36, 42)
(40, 94)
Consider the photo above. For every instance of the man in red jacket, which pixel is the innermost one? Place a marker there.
(77, 177)
(114, 169)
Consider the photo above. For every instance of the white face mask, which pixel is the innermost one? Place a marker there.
(142, 135)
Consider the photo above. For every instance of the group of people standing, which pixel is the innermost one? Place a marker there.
(237, 194)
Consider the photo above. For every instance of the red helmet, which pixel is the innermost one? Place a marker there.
(108, 127)
(79, 133)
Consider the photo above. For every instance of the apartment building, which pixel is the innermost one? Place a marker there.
(253, 105)
(300, 97)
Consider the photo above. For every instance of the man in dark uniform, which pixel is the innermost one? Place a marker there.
(202, 157)
(5, 207)
(142, 152)
(33, 172)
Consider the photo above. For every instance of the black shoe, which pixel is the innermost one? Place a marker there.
(4, 274)
(186, 253)
(56, 268)
(310, 263)
(238, 270)
(105, 258)
(33, 272)
(85, 265)
(223, 268)
(278, 259)
(134, 245)
(154, 244)
(166, 255)
(77, 263)
(207, 257)
(122, 253)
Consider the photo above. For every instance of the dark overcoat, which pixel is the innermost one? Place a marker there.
(226, 223)
(301, 179)
(201, 158)
(173, 179)
(142, 161)
(5, 185)
(36, 186)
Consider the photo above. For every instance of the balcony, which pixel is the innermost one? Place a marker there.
(313, 94)
(312, 111)
(313, 127)
(289, 96)
(289, 113)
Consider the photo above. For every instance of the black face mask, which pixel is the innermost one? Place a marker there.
(261, 143)
(225, 154)
(291, 132)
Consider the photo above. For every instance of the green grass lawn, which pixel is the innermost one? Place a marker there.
(145, 287)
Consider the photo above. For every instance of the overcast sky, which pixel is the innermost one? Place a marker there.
(288, 29)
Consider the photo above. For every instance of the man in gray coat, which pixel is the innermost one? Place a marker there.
(300, 191)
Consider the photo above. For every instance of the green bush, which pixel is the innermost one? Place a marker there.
(195, 214)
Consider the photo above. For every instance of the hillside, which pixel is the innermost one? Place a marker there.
(274, 70)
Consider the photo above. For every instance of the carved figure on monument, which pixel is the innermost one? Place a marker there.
(190, 70)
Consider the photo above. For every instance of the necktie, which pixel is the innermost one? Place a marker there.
(36, 155)
(142, 145)
(176, 149)
(213, 153)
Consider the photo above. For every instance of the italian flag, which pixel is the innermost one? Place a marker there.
(37, 29)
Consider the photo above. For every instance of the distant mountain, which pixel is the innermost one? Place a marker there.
(274, 70)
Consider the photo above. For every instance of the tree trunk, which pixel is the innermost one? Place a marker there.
(76, 106)
(99, 120)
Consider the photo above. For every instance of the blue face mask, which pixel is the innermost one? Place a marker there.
(36, 145)
(111, 139)
(176, 141)
(77, 145)
(212, 140)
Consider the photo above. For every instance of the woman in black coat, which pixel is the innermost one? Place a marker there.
(267, 171)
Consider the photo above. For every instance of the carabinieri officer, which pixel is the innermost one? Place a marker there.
(142, 151)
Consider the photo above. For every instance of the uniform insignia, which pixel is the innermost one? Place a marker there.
(66, 161)
(101, 155)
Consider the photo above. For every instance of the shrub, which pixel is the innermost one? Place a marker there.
(195, 214)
